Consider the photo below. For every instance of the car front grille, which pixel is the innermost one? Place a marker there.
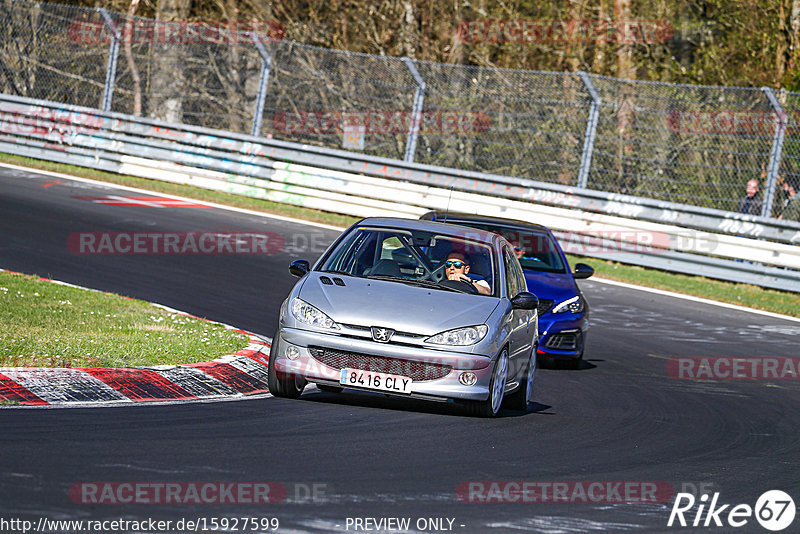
(563, 341)
(544, 306)
(417, 371)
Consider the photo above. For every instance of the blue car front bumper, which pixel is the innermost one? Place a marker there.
(562, 335)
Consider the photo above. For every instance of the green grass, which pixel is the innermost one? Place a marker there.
(745, 295)
(751, 296)
(43, 324)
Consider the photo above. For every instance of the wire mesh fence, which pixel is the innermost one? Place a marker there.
(678, 143)
(681, 143)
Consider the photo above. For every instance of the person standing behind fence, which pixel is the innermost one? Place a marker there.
(791, 209)
(751, 203)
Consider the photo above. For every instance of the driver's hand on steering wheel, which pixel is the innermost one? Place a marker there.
(460, 277)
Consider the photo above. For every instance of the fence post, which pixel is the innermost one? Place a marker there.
(111, 68)
(416, 112)
(261, 95)
(775, 155)
(591, 130)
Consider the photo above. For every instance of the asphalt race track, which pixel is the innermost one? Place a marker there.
(620, 419)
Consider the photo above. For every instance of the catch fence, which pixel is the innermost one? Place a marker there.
(681, 144)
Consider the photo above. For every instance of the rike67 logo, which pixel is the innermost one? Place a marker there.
(774, 510)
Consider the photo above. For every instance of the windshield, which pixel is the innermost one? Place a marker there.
(536, 250)
(414, 257)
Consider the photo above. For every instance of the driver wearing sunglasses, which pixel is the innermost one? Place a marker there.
(457, 268)
(519, 250)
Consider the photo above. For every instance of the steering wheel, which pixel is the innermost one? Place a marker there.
(438, 276)
(460, 285)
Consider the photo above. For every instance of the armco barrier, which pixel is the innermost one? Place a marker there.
(698, 241)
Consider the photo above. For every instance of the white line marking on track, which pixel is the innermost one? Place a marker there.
(108, 185)
(331, 227)
(696, 299)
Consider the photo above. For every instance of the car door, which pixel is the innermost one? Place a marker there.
(520, 335)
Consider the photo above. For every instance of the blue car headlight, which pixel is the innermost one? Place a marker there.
(573, 305)
(308, 314)
(460, 336)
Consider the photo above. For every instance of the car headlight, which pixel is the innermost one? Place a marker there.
(308, 314)
(460, 336)
(574, 305)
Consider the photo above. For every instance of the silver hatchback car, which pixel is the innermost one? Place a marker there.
(410, 308)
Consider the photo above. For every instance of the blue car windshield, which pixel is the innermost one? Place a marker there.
(539, 250)
(411, 256)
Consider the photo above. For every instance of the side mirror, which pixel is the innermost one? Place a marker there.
(525, 301)
(299, 268)
(582, 271)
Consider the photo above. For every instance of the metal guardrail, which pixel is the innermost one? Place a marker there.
(682, 238)
(678, 143)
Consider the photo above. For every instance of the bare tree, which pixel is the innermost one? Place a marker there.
(794, 35)
(127, 40)
(167, 82)
(625, 117)
(408, 30)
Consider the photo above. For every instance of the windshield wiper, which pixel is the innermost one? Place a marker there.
(337, 272)
(387, 277)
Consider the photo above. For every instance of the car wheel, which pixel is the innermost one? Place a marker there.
(576, 363)
(329, 389)
(289, 386)
(491, 406)
(524, 394)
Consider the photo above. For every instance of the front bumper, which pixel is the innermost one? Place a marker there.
(562, 335)
(399, 357)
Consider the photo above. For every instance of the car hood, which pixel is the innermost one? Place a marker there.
(553, 286)
(395, 305)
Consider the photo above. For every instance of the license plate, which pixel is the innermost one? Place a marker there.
(376, 381)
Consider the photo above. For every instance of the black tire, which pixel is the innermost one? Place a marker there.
(488, 408)
(329, 389)
(280, 385)
(575, 363)
(546, 362)
(519, 399)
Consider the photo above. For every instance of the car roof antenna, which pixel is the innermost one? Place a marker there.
(447, 210)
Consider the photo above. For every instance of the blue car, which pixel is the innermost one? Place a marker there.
(563, 310)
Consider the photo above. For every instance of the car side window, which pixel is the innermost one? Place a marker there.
(512, 279)
(519, 273)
